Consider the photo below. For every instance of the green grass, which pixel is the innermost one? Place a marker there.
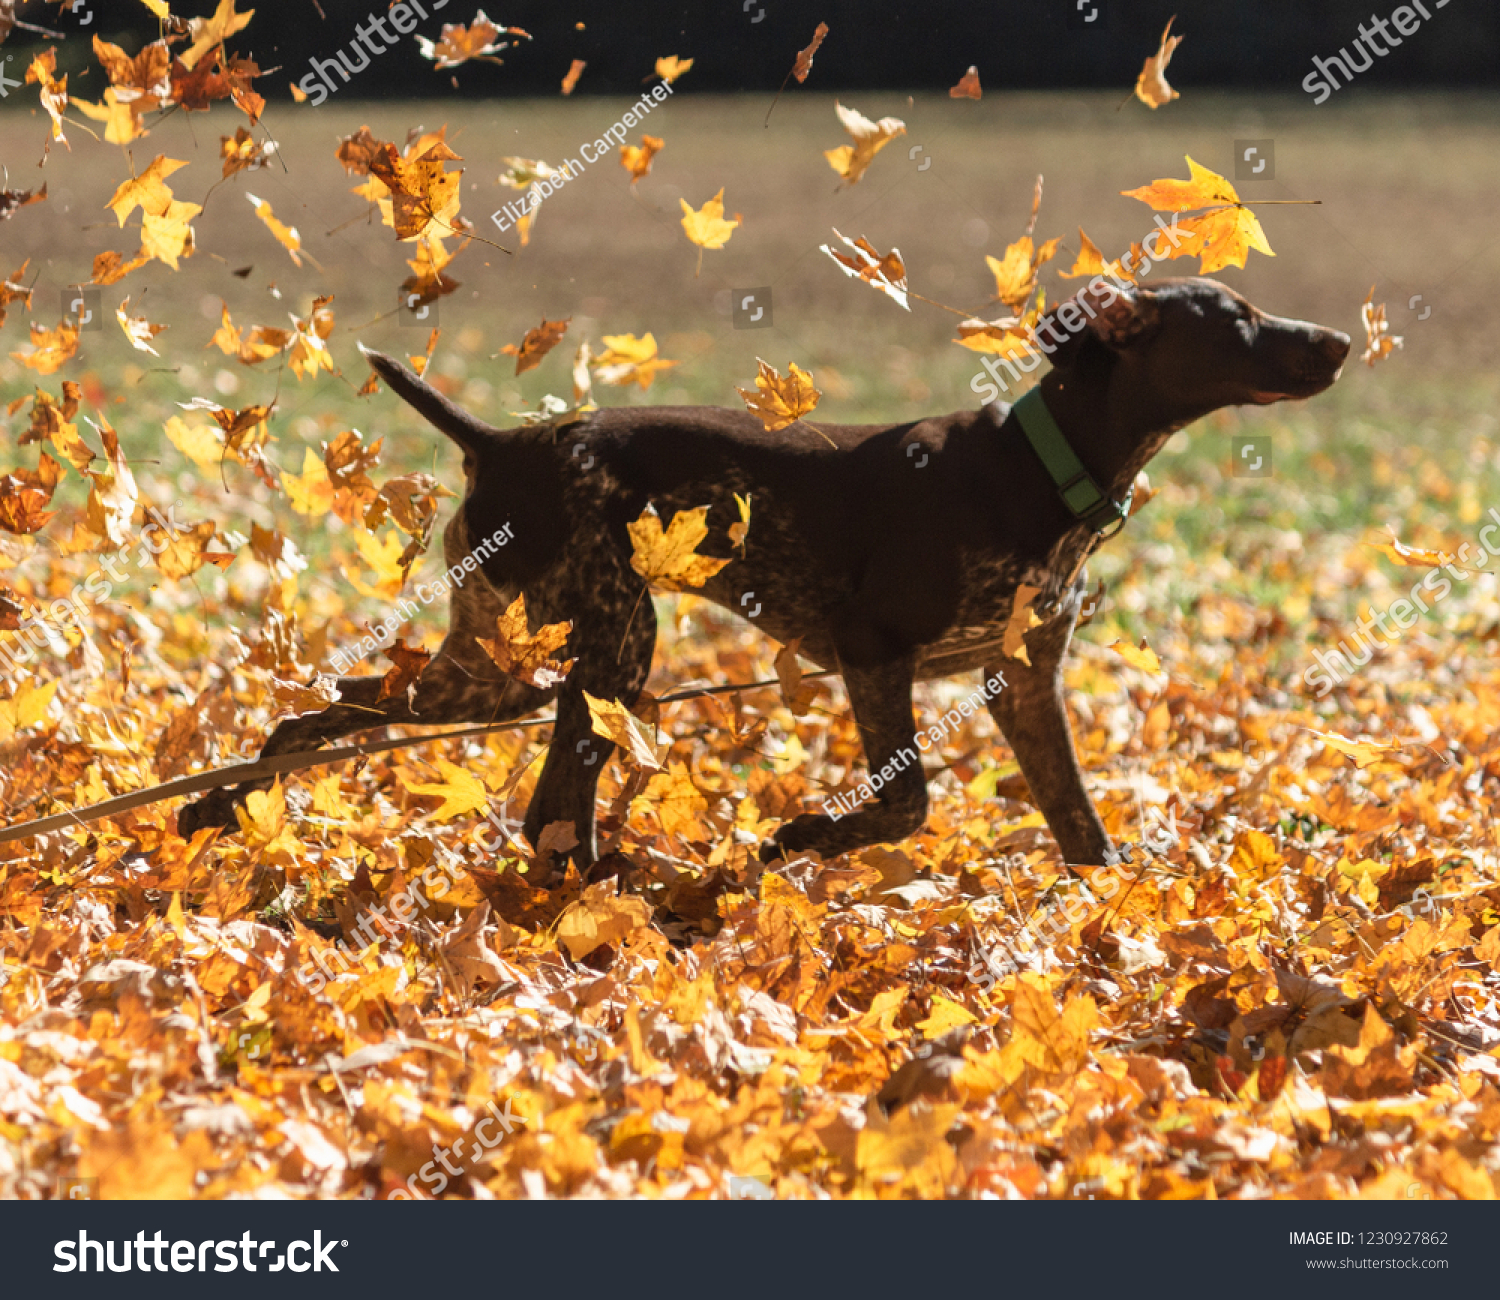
(1406, 190)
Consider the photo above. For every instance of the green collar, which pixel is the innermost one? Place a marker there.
(1075, 485)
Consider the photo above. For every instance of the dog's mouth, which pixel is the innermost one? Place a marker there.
(1300, 389)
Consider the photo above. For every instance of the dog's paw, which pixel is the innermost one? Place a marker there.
(216, 810)
(771, 851)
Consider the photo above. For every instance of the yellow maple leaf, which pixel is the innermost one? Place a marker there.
(148, 191)
(1007, 337)
(200, 444)
(676, 801)
(527, 655)
(1363, 752)
(167, 235)
(50, 349)
(206, 33)
(26, 708)
(945, 1015)
(1141, 656)
(54, 90)
(1220, 237)
(599, 917)
(670, 67)
(628, 360)
(706, 227)
(668, 559)
(778, 402)
(1015, 273)
(312, 491)
(122, 119)
(851, 161)
(1151, 86)
(185, 552)
(460, 790)
(613, 721)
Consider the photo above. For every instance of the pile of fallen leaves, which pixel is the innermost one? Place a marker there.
(1289, 991)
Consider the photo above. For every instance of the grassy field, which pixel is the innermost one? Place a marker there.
(757, 1017)
(1405, 202)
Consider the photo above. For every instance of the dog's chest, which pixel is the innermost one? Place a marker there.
(987, 601)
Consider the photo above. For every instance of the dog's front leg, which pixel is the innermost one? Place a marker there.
(1030, 711)
(881, 697)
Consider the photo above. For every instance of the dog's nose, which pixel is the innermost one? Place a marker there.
(1335, 344)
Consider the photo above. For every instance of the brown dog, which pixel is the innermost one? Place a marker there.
(894, 551)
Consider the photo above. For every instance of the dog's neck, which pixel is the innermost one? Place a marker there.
(1114, 439)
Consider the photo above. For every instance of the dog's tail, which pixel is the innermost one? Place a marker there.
(471, 434)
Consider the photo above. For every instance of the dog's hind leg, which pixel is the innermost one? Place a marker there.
(611, 644)
(881, 697)
(1031, 713)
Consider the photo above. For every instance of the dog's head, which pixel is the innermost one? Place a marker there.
(1184, 347)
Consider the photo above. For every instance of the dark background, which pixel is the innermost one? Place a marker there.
(1260, 44)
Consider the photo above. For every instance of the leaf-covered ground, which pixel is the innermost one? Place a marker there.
(362, 995)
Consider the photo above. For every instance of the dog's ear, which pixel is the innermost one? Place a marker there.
(1118, 318)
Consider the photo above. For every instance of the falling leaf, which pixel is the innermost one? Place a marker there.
(795, 694)
(422, 194)
(1141, 656)
(12, 290)
(1220, 237)
(613, 721)
(1151, 86)
(706, 227)
(50, 349)
(138, 329)
(671, 67)
(804, 62)
(206, 33)
(968, 86)
(286, 236)
(627, 359)
(537, 344)
(459, 43)
(575, 71)
(148, 191)
(1363, 752)
(636, 158)
(54, 90)
(1016, 273)
(244, 152)
(410, 662)
(778, 402)
(887, 274)
(668, 559)
(1379, 341)
(11, 201)
(525, 655)
(851, 161)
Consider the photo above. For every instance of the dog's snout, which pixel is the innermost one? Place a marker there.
(1335, 345)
